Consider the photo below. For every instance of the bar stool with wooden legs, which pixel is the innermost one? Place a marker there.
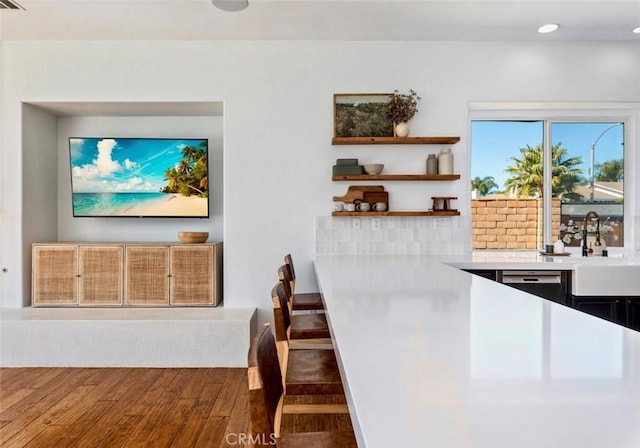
(323, 358)
(310, 372)
(301, 330)
(310, 301)
(305, 303)
(266, 402)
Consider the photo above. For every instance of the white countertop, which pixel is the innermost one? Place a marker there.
(433, 356)
(533, 260)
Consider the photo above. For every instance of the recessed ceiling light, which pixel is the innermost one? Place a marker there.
(548, 28)
(636, 30)
(230, 5)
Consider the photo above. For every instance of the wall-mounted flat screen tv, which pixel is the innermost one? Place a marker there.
(139, 177)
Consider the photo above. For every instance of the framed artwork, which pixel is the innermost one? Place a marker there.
(361, 115)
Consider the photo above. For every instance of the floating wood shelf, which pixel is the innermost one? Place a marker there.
(396, 177)
(407, 213)
(394, 140)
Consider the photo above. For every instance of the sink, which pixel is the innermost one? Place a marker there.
(606, 280)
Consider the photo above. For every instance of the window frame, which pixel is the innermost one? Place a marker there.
(549, 115)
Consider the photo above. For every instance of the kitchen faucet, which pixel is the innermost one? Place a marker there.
(589, 250)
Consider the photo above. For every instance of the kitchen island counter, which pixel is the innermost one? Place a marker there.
(433, 356)
(533, 260)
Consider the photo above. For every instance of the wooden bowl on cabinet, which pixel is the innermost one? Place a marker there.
(193, 237)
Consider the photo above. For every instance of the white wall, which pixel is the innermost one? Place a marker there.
(39, 185)
(278, 121)
(4, 250)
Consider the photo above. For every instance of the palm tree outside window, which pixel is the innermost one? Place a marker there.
(508, 181)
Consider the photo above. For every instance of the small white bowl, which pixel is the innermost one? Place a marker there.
(373, 168)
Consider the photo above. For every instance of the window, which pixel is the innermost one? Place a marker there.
(533, 181)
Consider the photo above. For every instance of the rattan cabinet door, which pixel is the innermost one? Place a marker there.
(54, 271)
(192, 275)
(147, 275)
(101, 275)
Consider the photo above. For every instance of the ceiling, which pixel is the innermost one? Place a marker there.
(466, 20)
(131, 109)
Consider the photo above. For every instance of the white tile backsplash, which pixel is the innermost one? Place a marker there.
(397, 235)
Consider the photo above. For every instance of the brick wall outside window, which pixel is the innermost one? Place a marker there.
(511, 223)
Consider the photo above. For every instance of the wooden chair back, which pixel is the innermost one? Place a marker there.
(288, 262)
(284, 274)
(282, 322)
(265, 387)
(298, 302)
(281, 311)
(266, 402)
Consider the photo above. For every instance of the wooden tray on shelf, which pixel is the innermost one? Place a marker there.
(357, 192)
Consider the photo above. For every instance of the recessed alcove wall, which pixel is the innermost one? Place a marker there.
(46, 128)
(83, 336)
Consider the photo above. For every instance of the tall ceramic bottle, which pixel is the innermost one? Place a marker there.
(432, 164)
(445, 161)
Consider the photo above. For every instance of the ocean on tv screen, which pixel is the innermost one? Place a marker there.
(139, 177)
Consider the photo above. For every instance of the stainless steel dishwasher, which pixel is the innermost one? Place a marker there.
(551, 285)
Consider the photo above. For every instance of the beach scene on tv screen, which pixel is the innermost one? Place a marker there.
(139, 177)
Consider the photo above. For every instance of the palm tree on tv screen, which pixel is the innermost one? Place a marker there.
(190, 177)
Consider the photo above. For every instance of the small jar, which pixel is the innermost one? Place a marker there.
(558, 246)
(445, 161)
(432, 164)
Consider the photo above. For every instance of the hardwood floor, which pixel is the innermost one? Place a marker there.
(132, 407)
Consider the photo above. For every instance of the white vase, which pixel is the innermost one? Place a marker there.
(402, 129)
(445, 161)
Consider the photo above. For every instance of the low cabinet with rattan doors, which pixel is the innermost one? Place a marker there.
(192, 275)
(141, 274)
(147, 275)
(70, 275)
(179, 275)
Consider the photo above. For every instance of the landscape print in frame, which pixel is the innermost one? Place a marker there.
(362, 115)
